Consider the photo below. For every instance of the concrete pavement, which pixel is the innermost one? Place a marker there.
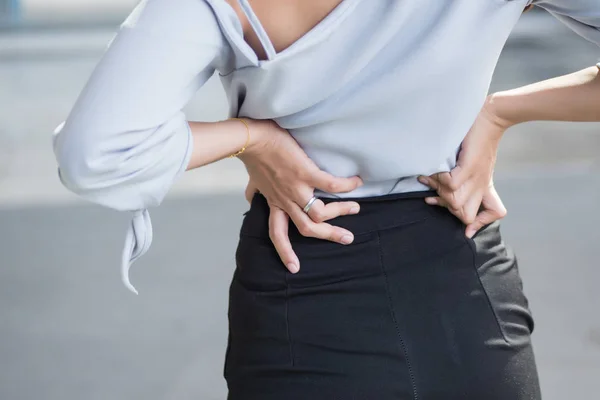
(70, 330)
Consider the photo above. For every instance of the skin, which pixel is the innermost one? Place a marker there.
(283, 173)
(574, 97)
(285, 21)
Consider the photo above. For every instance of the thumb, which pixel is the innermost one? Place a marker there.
(482, 219)
(493, 211)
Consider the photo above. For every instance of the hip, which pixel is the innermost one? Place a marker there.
(410, 306)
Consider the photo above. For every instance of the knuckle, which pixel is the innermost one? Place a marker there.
(333, 186)
(454, 203)
(303, 175)
(445, 193)
(305, 229)
(469, 219)
(453, 185)
(318, 216)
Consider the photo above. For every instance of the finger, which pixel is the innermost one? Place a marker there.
(278, 232)
(429, 181)
(470, 209)
(457, 176)
(452, 180)
(332, 184)
(322, 230)
(444, 179)
(441, 202)
(483, 218)
(494, 211)
(435, 201)
(320, 212)
(464, 202)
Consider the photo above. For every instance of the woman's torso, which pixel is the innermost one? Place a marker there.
(382, 89)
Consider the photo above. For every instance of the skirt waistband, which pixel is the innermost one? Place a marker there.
(376, 213)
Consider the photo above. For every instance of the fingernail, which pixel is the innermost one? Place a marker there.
(354, 210)
(347, 239)
(422, 179)
(293, 268)
(430, 200)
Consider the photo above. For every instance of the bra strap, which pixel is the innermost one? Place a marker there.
(258, 29)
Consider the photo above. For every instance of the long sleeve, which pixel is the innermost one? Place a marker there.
(582, 16)
(126, 139)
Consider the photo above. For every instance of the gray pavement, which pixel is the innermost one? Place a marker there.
(69, 330)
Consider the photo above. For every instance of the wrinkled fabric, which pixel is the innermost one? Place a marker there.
(382, 89)
(412, 309)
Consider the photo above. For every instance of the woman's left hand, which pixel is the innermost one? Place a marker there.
(468, 190)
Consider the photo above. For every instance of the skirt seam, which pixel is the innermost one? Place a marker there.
(287, 321)
(473, 249)
(403, 348)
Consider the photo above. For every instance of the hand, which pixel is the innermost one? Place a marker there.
(287, 177)
(468, 190)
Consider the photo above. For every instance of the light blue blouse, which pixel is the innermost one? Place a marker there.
(383, 89)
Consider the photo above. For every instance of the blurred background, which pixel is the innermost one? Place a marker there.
(70, 330)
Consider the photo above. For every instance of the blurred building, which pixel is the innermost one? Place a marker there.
(10, 12)
(62, 13)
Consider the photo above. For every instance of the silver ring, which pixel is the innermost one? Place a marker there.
(308, 205)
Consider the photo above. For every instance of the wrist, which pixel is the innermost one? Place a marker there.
(256, 137)
(497, 112)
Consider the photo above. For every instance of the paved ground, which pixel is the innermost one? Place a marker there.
(69, 330)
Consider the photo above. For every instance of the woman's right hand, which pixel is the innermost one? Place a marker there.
(282, 172)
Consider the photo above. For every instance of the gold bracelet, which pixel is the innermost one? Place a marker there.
(247, 139)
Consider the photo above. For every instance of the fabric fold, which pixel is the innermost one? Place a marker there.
(137, 242)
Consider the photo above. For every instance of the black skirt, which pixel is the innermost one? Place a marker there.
(411, 310)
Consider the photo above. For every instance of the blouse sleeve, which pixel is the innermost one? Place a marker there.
(126, 139)
(582, 16)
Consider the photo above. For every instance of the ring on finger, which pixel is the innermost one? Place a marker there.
(308, 205)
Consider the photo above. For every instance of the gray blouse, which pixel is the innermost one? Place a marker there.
(383, 89)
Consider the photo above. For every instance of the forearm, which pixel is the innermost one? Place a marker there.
(572, 97)
(214, 141)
